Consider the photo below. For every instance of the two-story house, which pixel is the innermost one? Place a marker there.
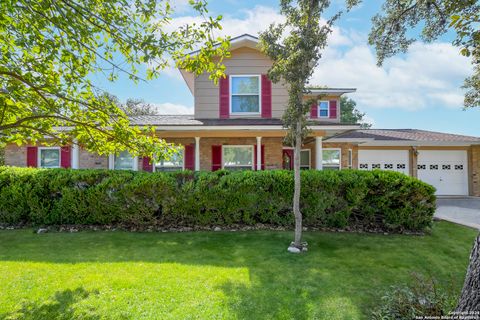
(237, 125)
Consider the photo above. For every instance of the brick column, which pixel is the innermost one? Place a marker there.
(475, 170)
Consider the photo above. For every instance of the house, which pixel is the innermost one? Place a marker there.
(237, 125)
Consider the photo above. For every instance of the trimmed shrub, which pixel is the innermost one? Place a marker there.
(335, 199)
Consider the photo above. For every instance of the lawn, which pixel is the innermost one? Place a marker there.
(216, 275)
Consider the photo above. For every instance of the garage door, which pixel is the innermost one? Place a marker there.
(396, 160)
(445, 170)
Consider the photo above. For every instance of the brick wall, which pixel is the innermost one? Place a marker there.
(475, 171)
(89, 160)
(15, 156)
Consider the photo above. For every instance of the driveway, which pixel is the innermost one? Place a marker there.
(461, 210)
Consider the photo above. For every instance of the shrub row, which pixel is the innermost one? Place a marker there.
(338, 199)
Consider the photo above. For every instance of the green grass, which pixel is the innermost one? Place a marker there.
(216, 275)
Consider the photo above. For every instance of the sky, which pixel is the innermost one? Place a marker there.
(420, 89)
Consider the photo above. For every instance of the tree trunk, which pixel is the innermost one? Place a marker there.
(470, 296)
(296, 194)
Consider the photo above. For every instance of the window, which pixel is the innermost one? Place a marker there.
(173, 164)
(245, 94)
(49, 157)
(331, 159)
(305, 159)
(237, 157)
(123, 161)
(323, 107)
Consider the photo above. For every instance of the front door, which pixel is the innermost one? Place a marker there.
(287, 156)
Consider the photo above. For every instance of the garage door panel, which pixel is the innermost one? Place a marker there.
(446, 170)
(395, 160)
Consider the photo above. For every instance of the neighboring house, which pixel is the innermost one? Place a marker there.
(237, 125)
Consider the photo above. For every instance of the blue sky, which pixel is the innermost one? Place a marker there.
(420, 89)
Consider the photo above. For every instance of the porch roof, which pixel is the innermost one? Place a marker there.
(189, 120)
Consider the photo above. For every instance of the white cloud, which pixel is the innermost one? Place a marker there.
(253, 22)
(428, 75)
(172, 108)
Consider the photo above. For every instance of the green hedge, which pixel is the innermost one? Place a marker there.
(347, 198)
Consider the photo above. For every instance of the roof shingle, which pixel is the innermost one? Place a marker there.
(405, 135)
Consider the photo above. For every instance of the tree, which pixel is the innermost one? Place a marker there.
(470, 297)
(350, 114)
(50, 50)
(138, 107)
(132, 107)
(295, 49)
(392, 29)
(389, 35)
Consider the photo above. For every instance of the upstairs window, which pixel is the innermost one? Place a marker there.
(49, 157)
(323, 107)
(175, 162)
(331, 159)
(237, 157)
(245, 94)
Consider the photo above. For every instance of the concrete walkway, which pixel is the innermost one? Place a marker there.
(461, 210)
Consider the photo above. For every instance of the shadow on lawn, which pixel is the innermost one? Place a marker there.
(339, 278)
(59, 307)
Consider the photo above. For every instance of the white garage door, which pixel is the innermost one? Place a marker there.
(445, 170)
(396, 160)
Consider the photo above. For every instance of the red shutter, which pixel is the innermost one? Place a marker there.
(314, 111)
(190, 157)
(266, 97)
(216, 157)
(224, 93)
(66, 157)
(263, 157)
(333, 109)
(32, 157)
(147, 165)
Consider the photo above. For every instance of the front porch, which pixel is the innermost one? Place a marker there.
(213, 153)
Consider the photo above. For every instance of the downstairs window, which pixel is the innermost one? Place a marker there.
(237, 157)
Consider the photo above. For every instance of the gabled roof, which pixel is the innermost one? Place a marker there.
(245, 40)
(403, 137)
(331, 91)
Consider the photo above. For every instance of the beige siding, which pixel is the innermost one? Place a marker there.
(243, 61)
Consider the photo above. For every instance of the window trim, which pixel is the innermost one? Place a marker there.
(309, 158)
(230, 93)
(318, 109)
(111, 163)
(154, 169)
(39, 157)
(238, 146)
(339, 160)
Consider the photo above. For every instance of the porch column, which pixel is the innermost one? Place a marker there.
(259, 153)
(318, 153)
(197, 153)
(75, 155)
